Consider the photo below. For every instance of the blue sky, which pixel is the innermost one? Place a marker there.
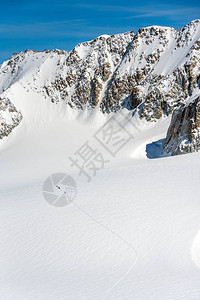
(48, 24)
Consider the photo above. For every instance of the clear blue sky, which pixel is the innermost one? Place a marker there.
(48, 24)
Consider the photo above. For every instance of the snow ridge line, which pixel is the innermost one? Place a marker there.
(122, 239)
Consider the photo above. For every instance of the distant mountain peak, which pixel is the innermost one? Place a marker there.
(150, 72)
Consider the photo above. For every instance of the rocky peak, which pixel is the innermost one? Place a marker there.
(155, 57)
(90, 65)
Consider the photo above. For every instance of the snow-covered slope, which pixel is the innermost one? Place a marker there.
(129, 234)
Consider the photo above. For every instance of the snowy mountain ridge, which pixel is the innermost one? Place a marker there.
(150, 73)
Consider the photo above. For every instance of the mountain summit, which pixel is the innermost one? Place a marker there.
(150, 73)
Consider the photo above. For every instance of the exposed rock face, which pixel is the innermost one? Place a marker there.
(164, 76)
(156, 68)
(151, 72)
(9, 117)
(184, 132)
(90, 65)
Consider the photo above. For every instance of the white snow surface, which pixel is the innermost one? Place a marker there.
(128, 234)
(131, 232)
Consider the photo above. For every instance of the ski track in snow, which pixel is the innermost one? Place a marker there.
(123, 240)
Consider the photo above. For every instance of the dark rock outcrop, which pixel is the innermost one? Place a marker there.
(9, 117)
(183, 135)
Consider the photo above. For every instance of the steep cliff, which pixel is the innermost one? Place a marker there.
(184, 132)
